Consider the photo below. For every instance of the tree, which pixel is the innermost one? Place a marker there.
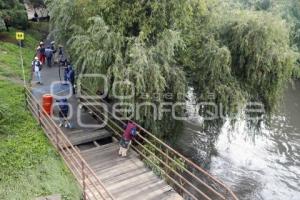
(227, 48)
(2, 24)
(240, 56)
(14, 13)
(262, 60)
(37, 3)
(125, 48)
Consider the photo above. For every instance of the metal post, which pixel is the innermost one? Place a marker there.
(39, 113)
(57, 138)
(22, 62)
(83, 181)
(167, 164)
(25, 96)
(226, 194)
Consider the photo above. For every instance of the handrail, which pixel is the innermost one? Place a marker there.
(220, 191)
(76, 163)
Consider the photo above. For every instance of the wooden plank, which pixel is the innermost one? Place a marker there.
(86, 137)
(127, 178)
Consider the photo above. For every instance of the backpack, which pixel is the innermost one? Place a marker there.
(37, 64)
(133, 132)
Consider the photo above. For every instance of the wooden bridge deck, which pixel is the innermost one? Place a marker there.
(82, 136)
(125, 178)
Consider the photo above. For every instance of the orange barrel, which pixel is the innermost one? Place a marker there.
(47, 103)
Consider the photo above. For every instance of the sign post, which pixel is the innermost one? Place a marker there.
(20, 38)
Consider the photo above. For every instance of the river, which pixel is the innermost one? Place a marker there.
(256, 163)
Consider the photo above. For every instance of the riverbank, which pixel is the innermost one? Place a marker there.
(30, 167)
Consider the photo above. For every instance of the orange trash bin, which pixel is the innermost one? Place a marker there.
(47, 103)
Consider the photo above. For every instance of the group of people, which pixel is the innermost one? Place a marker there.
(45, 55)
(48, 55)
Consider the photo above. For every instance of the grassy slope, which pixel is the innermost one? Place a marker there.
(29, 165)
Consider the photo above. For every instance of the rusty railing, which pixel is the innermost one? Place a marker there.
(186, 177)
(92, 187)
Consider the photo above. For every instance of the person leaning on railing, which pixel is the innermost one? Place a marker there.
(129, 133)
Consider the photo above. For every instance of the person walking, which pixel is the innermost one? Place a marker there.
(53, 47)
(129, 133)
(35, 16)
(71, 77)
(60, 54)
(7, 21)
(66, 71)
(41, 52)
(49, 54)
(36, 68)
(63, 113)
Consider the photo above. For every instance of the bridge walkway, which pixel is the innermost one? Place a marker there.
(92, 153)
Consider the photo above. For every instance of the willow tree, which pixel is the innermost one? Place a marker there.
(128, 41)
(244, 56)
(262, 60)
(238, 56)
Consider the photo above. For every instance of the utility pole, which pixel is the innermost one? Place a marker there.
(20, 38)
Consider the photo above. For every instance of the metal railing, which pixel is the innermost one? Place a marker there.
(186, 177)
(92, 187)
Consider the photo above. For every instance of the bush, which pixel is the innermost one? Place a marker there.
(14, 13)
(2, 25)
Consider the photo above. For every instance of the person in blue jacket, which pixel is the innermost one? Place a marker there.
(66, 71)
(71, 77)
(63, 112)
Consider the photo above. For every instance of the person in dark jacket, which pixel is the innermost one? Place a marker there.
(60, 55)
(63, 112)
(53, 46)
(66, 71)
(71, 77)
(41, 53)
(7, 23)
(35, 16)
(49, 54)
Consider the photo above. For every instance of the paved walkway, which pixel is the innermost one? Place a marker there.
(126, 178)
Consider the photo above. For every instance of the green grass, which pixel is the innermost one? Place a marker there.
(29, 165)
(10, 64)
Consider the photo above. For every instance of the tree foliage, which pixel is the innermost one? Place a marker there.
(128, 41)
(14, 13)
(240, 50)
(2, 24)
(240, 55)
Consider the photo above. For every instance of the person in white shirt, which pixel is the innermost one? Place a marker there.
(36, 67)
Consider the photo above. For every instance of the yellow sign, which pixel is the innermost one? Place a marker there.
(19, 35)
